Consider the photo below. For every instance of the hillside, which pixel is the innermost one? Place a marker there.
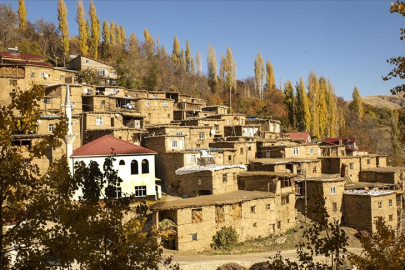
(391, 102)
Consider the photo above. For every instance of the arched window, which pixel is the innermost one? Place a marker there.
(122, 162)
(145, 166)
(134, 167)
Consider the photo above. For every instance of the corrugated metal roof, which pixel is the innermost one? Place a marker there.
(109, 145)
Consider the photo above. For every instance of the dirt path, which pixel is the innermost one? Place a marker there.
(208, 262)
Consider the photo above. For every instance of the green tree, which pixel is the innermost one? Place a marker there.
(188, 58)
(399, 62)
(226, 238)
(259, 74)
(176, 51)
(384, 249)
(212, 69)
(83, 32)
(270, 79)
(22, 14)
(95, 30)
(356, 105)
(290, 101)
(63, 26)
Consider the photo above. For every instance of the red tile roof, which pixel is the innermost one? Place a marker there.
(107, 145)
(20, 56)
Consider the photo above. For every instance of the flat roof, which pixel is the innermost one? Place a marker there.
(254, 173)
(368, 193)
(212, 167)
(210, 200)
(358, 185)
(384, 169)
(283, 160)
(323, 178)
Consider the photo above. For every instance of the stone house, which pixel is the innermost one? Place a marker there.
(362, 207)
(107, 73)
(185, 106)
(216, 125)
(289, 150)
(55, 95)
(236, 119)
(312, 167)
(213, 110)
(135, 165)
(350, 144)
(387, 175)
(269, 128)
(242, 131)
(19, 71)
(329, 187)
(251, 214)
(165, 143)
(245, 148)
(302, 136)
(208, 180)
(156, 110)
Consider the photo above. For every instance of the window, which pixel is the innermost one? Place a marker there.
(168, 115)
(47, 100)
(311, 151)
(334, 206)
(228, 122)
(196, 215)
(51, 127)
(193, 158)
(61, 77)
(278, 225)
(43, 74)
(122, 162)
(112, 74)
(379, 204)
(194, 237)
(202, 136)
(87, 61)
(174, 143)
(199, 181)
(351, 166)
(253, 209)
(99, 121)
(101, 71)
(295, 151)
(285, 199)
(391, 217)
(268, 206)
(140, 191)
(164, 103)
(147, 104)
(102, 102)
(358, 205)
(118, 193)
(241, 150)
(255, 224)
(145, 166)
(332, 190)
(13, 82)
(368, 161)
(134, 167)
(390, 203)
(224, 178)
(155, 96)
(216, 126)
(179, 133)
(314, 169)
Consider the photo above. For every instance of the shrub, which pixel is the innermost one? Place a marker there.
(225, 238)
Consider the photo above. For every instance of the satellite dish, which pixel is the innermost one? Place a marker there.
(38, 122)
(212, 131)
(117, 115)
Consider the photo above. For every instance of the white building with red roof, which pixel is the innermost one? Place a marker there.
(135, 165)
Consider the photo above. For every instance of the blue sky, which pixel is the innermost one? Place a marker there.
(346, 41)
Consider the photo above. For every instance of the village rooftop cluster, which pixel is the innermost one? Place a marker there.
(226, 169)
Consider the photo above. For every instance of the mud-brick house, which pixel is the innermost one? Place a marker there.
(287, 149)
(362, 207)
(311, 167)
(213, 110)
(269, 128)
(216, 125)
(242, 131)
(135, 165)
(387, 175)
(328, 187)
(107, 73)
(245, 148)
(19, 71)
(155, 109)
(208, 180)
(251, 214)
(236, 119)
(185, 106)
(55, 95)
(350, 145)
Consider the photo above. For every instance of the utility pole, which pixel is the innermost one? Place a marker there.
(306, 202)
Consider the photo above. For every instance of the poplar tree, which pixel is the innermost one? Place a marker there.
(133, 46)
(332, 109)
(212, 69)
(117, 33)
(357, 105)
(112, 34)
(259, 74)
(95, 30)
(270, 79)
(123, 35)
(106, 33)
(198, 63)
(149, 43)
(63, 26)
(22, 14)
(192, 63)
(176, 51)
(188, 58)
(182, 59)
(303, 112)
(289, 101)
(230, 70)
(313, 93)
(322, 109)
(83, 32)
(164, 53)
